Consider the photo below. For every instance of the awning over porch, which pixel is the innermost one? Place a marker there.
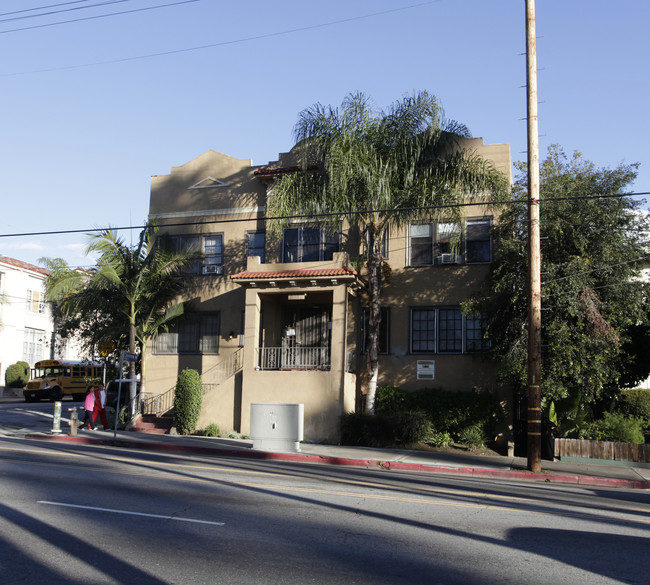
(299, 277)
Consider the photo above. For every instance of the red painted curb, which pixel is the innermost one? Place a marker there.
(368, 463)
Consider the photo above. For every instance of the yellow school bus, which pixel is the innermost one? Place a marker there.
(54, 379)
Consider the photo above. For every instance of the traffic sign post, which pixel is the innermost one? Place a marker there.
(105, 348)
(126, 356)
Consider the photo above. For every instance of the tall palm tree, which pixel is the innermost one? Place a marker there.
(379, 169)
(131, 289)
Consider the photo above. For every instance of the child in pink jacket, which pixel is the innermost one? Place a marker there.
(89, 406)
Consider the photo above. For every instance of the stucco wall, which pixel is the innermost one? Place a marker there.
(320, 392)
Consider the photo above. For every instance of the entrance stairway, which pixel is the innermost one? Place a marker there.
(154, 424)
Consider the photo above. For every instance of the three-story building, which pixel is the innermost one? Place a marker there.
(277, 316)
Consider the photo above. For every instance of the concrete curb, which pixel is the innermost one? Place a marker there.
(474, 472)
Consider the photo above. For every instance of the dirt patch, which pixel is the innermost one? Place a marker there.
(452, 449)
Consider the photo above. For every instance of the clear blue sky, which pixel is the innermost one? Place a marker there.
(86, 122)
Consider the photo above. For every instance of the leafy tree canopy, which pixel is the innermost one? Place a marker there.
(126, 298)
(593, 246)
(378, 168)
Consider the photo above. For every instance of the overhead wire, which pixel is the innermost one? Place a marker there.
(95, 17)
(221, 43)
(39, 15)
(323, 215)
(46, 7)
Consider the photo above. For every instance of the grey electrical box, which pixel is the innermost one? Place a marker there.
(277, 427)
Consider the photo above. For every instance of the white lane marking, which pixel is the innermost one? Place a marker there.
(132, 513)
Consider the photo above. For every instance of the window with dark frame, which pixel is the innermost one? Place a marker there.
(423, 330)
(439, 243)
(309, 243)
(475, 334)
(212, 254)
(450, 331)
(478, 241)
(192, 333)
(256, 244)
(446, 330)
(421, 244)
(207, 248)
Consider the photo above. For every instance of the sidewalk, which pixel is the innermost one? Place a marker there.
(597, 474)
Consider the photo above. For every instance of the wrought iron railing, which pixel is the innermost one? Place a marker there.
(293, 358)
(156, 403)
(160, 403)
(223, 370)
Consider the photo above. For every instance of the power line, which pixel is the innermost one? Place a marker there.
(94, 18)
(43, 7)
(26, 16)
(313, 215)
(223, 43)
(608, 267)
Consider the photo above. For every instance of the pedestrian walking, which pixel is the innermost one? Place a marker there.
(89, 407)
(100, 406)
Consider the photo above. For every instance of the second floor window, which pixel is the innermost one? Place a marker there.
(478, 241)
(212, 255)
(35, 301)
(309, 244)
(208, 250)
(255, 244)
(439, 243)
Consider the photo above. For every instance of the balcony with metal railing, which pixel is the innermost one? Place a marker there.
(293, 358)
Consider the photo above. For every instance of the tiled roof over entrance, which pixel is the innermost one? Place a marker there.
(283, 170)
(343, 271)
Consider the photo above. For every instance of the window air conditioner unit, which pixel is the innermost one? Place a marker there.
(450, 259)
(447, 259)
(212, 269)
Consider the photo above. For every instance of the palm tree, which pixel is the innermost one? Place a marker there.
(131, 289)
(379, 169)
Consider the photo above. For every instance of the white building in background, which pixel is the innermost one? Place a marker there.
(26, 325)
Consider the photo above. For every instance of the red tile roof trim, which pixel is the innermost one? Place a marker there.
(24, 265)
(316, 273)
(283, 170)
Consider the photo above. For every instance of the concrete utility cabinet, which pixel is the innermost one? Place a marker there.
(277, 427)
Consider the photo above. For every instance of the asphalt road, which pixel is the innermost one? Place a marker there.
(17, 415)
(100, 515)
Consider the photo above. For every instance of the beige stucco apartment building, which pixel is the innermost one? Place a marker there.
(278, 317)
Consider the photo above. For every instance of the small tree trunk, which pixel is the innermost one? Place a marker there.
(132, 385)
(374, 313)
(143, 365)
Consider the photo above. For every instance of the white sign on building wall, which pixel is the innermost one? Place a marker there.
(426, 369)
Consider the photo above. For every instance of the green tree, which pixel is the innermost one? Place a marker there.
(130, 293)
(17, 375)
(592, 248)
(187, 401)
(377, 169)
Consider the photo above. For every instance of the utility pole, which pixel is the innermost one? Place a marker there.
(534, 256)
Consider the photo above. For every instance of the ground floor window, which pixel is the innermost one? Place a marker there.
(192, 333)
(445, 330)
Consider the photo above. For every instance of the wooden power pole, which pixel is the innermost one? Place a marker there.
(534, 255)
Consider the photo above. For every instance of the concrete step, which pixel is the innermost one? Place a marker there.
(7, 392)
(150, 423)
